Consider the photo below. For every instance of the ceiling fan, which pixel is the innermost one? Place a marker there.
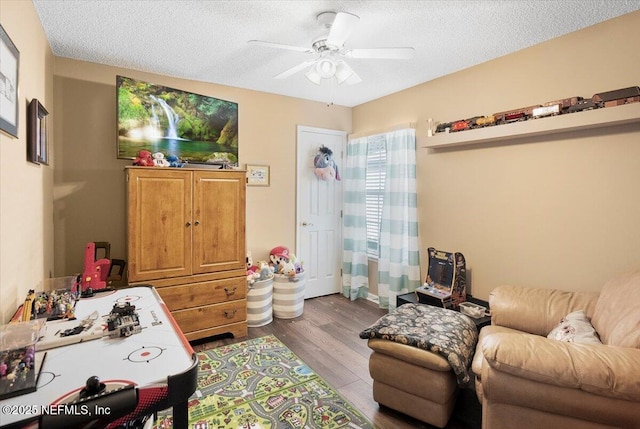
(329, 51)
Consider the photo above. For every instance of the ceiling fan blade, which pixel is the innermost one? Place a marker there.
(295, 69)
(341, 29)
(382, 53)
(280, 46)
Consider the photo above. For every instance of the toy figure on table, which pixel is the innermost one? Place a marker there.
(18, 358)
(123, 321)
(52, 305)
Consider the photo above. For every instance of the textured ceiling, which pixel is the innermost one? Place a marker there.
(207, 40)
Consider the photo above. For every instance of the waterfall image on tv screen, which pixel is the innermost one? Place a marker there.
(193, 127)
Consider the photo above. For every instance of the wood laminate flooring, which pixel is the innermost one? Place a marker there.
(326, 338)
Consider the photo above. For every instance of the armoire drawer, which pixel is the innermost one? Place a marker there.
(199, 294)
(208, 316)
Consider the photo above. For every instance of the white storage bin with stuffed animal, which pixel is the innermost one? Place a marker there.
(288, 295)
(259, 303)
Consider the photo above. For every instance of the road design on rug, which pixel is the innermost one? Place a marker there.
(261, 384)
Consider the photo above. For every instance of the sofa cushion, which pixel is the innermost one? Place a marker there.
(536, 310)
(575, 328)
(617, 313)
(599, 369)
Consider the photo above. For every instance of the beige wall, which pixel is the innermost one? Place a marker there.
(557, 211)
(26, 224)
(89, 180)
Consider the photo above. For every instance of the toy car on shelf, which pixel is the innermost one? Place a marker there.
(521, 114)
(485, 121)
(540, 112)
(582, 105)
(617, 96)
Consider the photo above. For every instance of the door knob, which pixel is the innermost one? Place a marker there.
(307, 224)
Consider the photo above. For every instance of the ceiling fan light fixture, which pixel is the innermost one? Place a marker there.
(343, 72)
(313, 75)
(326, 68)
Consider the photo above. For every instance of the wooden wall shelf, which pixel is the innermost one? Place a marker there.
(598, 118)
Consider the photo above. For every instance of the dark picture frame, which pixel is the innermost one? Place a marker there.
(195, 128)
(9, 73)
(37, 133)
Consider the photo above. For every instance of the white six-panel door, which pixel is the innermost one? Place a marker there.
(319, 212)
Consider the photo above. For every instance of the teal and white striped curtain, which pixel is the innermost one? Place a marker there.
(355, 265)
(399, 261)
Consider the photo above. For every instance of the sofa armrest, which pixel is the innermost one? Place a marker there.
(599, 369)
(536, 310)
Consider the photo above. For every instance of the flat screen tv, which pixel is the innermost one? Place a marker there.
(195, 128)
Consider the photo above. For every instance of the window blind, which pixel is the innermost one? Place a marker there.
(374, 184)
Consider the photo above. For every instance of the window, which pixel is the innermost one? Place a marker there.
(376, 173)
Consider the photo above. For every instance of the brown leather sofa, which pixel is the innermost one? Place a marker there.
(525, 380)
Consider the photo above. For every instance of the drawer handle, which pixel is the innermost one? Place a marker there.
(230, 314)
(228, 292)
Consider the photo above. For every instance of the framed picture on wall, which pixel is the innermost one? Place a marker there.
(37, 136)
(257, 175)
(9, 65)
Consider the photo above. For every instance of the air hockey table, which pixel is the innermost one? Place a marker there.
(139, 375)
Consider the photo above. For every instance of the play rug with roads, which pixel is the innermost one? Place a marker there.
(261, 384)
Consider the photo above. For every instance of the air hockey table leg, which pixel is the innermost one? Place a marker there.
(181, 387)
(181, 415)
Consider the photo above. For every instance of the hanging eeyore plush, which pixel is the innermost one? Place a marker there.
(326, 167)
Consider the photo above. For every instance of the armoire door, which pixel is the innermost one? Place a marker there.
(218, 221)
(160, 225)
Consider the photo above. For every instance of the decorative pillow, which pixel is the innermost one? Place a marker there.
(575, 328)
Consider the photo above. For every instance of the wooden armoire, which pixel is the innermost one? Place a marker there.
(186, 237)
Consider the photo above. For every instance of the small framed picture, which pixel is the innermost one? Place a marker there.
(257, 175)
(37, 138)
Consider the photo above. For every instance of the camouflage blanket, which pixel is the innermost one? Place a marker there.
(445, 332)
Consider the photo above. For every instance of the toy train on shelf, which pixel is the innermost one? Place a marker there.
(556, 107)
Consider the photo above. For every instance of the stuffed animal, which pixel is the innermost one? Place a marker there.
(174, 161)
(279, 255)
(250, 267)
(265, 271)
(288, 269)
(159, 161)
(326, 168)
(252, 277)
(144, 159)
